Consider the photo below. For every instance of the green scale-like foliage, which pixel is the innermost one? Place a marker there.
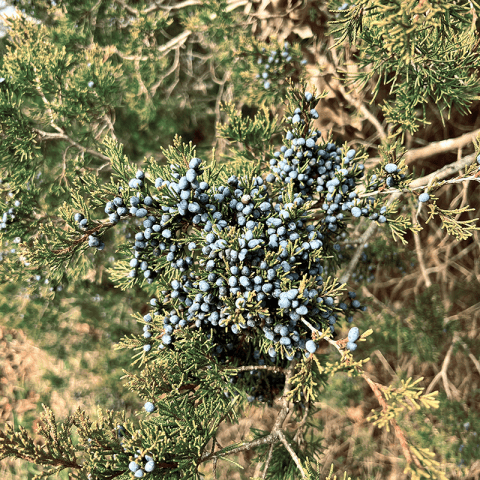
(67, 82)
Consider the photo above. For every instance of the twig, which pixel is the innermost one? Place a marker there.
(443, 373)
(64, 136)
(418, 250)
(267, 463)
(260, 367)
(434, 148)
(385, 363)
(292, 453)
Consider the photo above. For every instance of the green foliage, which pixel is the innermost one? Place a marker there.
(59, 454)
(427, 53)
(165, 69)
(252, 133)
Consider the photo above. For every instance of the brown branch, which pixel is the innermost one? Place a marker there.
(292, 453)
(418, 250)
(64, 136)
(433, 149)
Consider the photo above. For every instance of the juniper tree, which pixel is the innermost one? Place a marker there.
(238, 254)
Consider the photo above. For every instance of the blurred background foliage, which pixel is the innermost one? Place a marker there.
(56, 340)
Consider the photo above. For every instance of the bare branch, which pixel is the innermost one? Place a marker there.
(168, 8)
(128, 8)
(63, 136)
(434, 148)
(418, 250)
(449, 387)
(292, 453)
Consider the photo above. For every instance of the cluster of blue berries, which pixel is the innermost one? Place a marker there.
(275, 66)
(254, 250)
(142, 465)
(82, 222)
(393, 177)
(251, 246)
(116, 209)
(324, 170)
(254, 261)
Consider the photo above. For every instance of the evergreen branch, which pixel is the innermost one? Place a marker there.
(58, 451)
(461, 229)
(73, 246)
(269, 459)
(387, 411)
(398, 431)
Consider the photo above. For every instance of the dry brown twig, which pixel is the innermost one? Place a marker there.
(433, 149)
